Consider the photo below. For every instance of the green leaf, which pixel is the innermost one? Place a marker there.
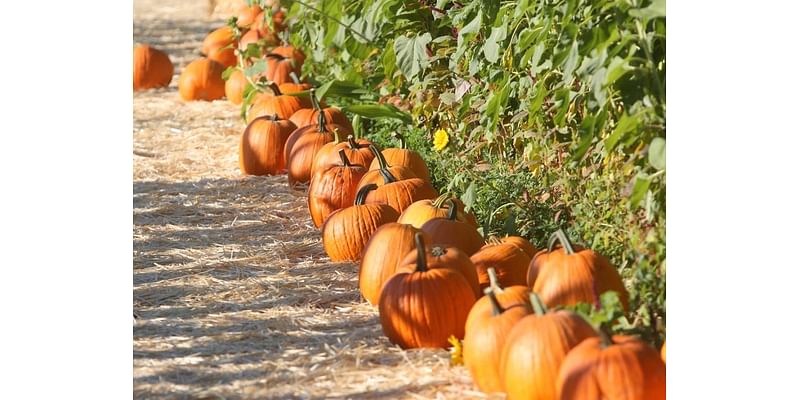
(571, 62)
(657, 153)
(228, 72)
(469, 197)
(379, 111)
(625, 125)
(491, 49)
(640, 189)
(255, 69)
(389, 60)
(617, 68)
(656, 9)
(411, 54)
(340, 89)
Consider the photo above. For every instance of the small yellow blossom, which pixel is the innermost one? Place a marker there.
(440, 139)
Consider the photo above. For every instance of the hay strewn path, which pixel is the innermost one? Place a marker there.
(233, 295)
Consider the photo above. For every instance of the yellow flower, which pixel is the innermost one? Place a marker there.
(440, 139)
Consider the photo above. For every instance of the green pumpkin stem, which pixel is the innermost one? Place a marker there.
(384, 167)
(345, 161)
(561, 237)
(294, 77)
(605, 337)
(361, 196)
(439, 202)
(496, 308)
(453, 212)
(422, 261)
(314, 101)
(274, 117)
(538, 306)
(493, 282)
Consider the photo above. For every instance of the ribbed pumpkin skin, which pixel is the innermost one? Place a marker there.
(261, 146)
(332, 189)
(629, 369)
(384, 251)
(484, 340)
(283, 106)
(437, 256)
(202, 80)
(399, 195)
(454, 233)
(422, 211)
(152, 68)
(328, 155)
(346, 231)
(291, 87)
(664, 351)
(534, 350)
(374, 176)
(279, 69)
(308, 116)
(522, 243)
(422, 309)
(246, 16)
(509, 261)
(562, 279)
(301, 149)
(511, 296)
(408, 158)
(291, 52)
(219, 46)
(234, 87)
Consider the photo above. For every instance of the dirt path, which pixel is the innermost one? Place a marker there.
(233, 295)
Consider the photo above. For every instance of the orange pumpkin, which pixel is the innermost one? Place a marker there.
(262, 40)
(664, 351)
(438, 256)
(484, 340)
(407, 158)
(535, 348)
(385, 249)
(424, 307)
(291, 52)
(621, 367)
(357, 151)
(452, 232)
(333, 188)
(522, 243)
(385, 171)
(308, 116)
(302, 147)
(280, 69)
(247, 15)
(261, 147)
(346, 231)
(508, 296)
(510, 262)
(151, 68)
(220, 46)
(275, 103)
(202, 80)
(234, 87)
(422, 211)
(399, 194)
(572, 274)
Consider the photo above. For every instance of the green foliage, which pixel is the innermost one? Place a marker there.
(555, 110)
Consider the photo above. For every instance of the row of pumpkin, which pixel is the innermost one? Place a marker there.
(423, 262)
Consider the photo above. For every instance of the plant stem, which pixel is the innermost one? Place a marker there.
(422, 262)
(318, 11)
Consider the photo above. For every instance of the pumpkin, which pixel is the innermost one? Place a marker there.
(302, 146)
(220, 46)
(291, 52)
(399, 194)
(385, 249)
(333, 188)
(484, 340)
(522, 243)
(535, 348)
(308, 116)
(346, 231)
(407, 158)
(452, 232)
(508, 296)
(620, 367)
(572, 275)
(234, 87)
(262, 40)
(280, 70)
(247, 15)
(510, 262)
(151, 68)
(261, 146)
(664, 351)
(276, 103)
(438, 256)
(357, 151)
(385, 171)
(202, 80)
(424, 307)
(425, 210)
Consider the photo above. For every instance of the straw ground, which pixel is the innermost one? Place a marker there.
(233, 295)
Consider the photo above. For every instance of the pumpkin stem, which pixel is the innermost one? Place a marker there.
(362, 193)
(538, 306)
(422, 262)
(605, 337)
(439, 202)
(321, 121)
(294, 77)
(345, 161)
(314, 101)
(274, 117)
(275, 90)
(496, 308)
(384, 167)
(352, 142)
(493, 283)
(273, 55)
(451, 215)
(561, 237)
